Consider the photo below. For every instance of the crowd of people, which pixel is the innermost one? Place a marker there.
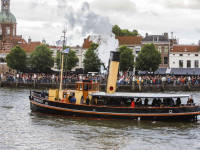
(72, 78)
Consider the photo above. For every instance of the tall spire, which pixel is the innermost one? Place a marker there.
(5, 5)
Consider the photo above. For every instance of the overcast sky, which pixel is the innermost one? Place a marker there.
(46, 18)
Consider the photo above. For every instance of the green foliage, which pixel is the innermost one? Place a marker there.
(41, 59)
(126, 58)
(17, 58)
(70, 59)
(149, 57)
(91, 61)
(123, 32)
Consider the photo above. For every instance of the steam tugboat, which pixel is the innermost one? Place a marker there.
(109, 104)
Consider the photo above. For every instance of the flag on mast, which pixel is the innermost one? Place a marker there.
(65, 51)
(122, 78)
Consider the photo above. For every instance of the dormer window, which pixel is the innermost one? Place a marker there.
(155, 38)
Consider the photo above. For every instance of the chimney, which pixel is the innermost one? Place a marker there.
(146, 34)
(29, 40)
(172, 35)
(166, 34)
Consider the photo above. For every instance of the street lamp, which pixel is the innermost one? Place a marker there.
(150, 70)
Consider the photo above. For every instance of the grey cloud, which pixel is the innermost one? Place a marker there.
(151, 13)
(88, 20)
(180, 4)
(62, 4)
(115, 6)
(85, 7)
(33, 4)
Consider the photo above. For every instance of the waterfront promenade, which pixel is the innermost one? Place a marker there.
(122, 88)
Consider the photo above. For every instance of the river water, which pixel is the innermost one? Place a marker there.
(24, 130)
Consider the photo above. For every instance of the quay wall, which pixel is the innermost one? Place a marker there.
(121, 88)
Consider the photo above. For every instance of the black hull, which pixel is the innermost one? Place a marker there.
(143, 113)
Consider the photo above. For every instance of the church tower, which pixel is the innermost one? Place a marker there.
(8, 26)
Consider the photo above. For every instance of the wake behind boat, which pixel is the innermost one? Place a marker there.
(87, 101)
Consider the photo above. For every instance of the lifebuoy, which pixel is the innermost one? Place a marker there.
(63, 100)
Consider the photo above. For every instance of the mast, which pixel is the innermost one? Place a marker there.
(64, 31)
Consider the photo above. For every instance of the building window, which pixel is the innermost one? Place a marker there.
(180, 63)
(166, 50)
(196, 54)
(77, 64)
(173, 62)
(188, 63)
(196, 64)
(7, 30)
(181, 55)
(155, 38)
(137, 50)
(173, 54)
(165, 60)
(77, 51)
(5, 48)
(160, 49)
(188, 54)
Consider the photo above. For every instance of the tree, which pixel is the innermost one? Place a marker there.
(41, 59)
(17, 58)
(116, 30)
(70, 59)
(126, 58)
(135, 33)
(91, 61)
(149, 57)
(124, 32)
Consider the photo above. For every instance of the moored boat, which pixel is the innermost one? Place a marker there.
(89, 102)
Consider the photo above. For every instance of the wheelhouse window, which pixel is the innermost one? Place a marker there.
(196, 64)
(166, 50)
(165, 60)
(188, 63)
(180, 63)
(160, 49)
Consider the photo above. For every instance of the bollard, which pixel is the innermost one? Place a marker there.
(140, 88)
(133, 84)
(53, 81)
(1, 81)
(189, 83)
(17, 81)
(34, 84)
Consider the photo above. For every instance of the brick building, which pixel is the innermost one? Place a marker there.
(9, 37)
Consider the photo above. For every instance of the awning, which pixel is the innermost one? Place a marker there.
(185, 71)
(160, 71)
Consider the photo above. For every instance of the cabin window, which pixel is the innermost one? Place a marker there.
(80, 87)
(93, 87)
(76, 86)
(64, 95)
(85, 87)
(90, 87)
